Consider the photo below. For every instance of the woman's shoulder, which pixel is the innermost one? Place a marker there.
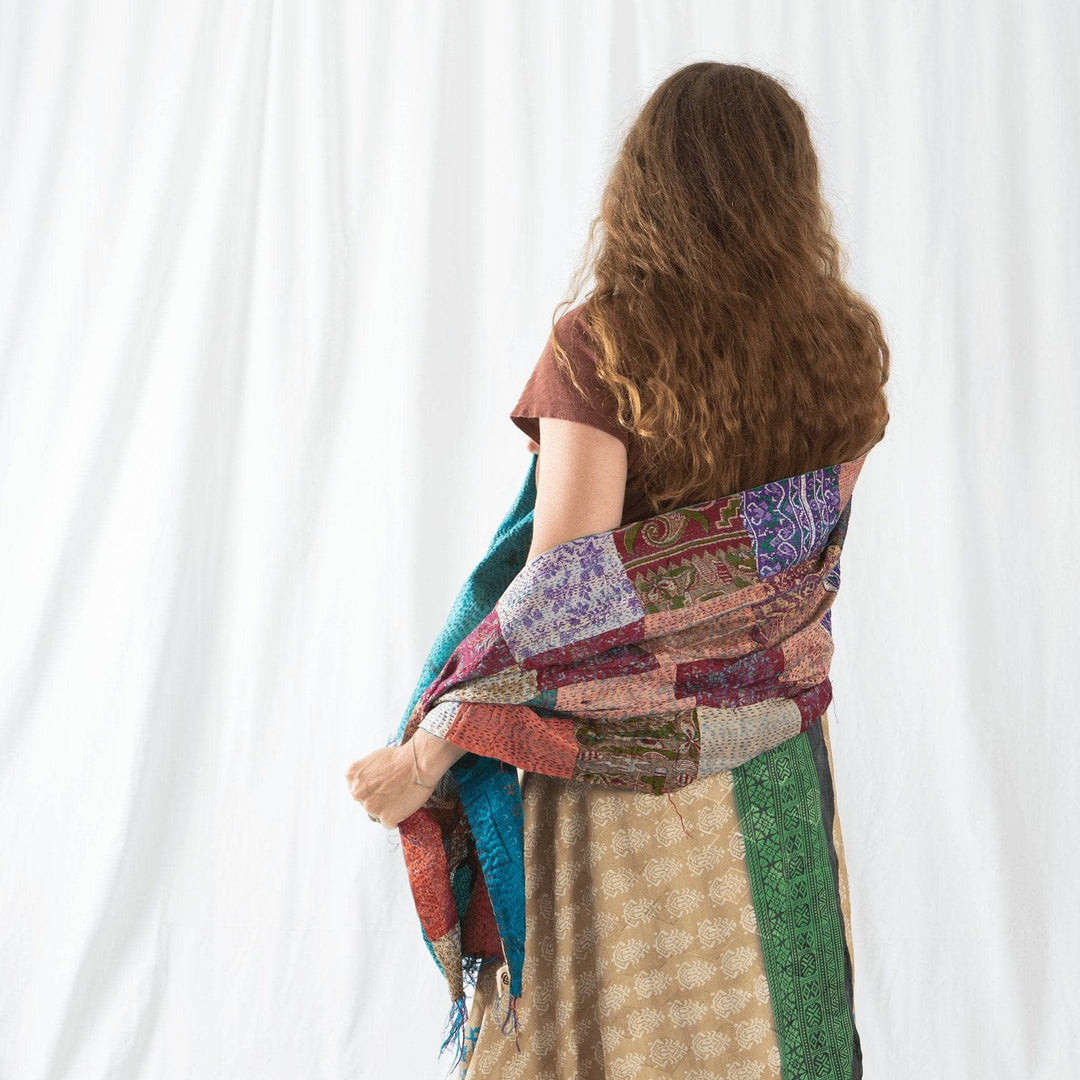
(550, 391)
(574, 332)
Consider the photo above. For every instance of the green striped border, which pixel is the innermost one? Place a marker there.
(779, 799)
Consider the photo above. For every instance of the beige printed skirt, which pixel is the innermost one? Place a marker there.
(659, 943)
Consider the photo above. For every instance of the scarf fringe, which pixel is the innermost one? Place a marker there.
(456, 1019)
(511, 1014)
(455, 1032)
(510, 1017)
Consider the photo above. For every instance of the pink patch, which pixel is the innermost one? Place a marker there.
(632, 695)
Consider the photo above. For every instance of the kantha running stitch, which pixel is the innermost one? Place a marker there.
(689, 642)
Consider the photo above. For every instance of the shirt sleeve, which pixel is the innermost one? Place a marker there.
(549, 391)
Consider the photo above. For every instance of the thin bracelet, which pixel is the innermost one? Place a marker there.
(416, 767)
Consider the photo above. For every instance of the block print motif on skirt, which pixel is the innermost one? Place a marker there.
(642, 953)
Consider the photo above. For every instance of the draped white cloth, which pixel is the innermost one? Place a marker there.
(273, 275)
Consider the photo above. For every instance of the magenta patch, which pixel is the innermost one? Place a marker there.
(813, 702)
(723, 682)
(616, 662)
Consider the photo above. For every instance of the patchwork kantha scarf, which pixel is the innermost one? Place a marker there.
(673, 647)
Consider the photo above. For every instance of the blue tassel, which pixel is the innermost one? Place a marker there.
(455, 1032)
(510, 1017)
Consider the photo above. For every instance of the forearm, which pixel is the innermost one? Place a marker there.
(434, 754)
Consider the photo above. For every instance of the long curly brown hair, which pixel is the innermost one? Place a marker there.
(720, 319)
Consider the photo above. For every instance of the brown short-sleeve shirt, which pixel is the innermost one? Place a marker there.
(549, 392)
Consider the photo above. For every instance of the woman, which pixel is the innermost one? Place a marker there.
(720, 349)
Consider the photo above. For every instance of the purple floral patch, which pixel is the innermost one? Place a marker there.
(790, 520)
(577, 589)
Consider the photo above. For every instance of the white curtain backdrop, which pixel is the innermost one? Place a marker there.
(272, 278)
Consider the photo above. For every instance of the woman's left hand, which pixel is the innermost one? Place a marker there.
(383, 783)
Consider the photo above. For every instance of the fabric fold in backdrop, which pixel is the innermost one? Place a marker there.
(673, 647)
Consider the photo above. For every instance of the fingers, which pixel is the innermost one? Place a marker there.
(356, 790)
